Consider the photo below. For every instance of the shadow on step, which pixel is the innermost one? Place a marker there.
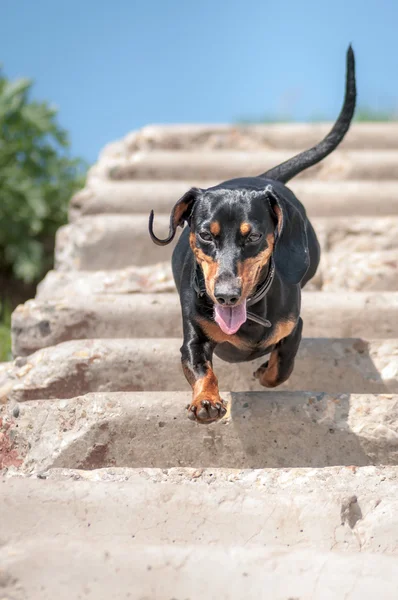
(296, 430)
(262, 429)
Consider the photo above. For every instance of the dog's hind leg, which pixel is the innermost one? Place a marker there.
(280, 365)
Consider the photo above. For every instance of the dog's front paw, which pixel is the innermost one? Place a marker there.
(205, 410)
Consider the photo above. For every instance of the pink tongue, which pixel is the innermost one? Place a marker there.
(230, 318)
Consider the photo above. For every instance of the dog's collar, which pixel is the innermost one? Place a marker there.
(261, 291)
(263, 288)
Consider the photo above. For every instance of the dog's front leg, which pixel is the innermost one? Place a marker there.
(196, 359)
(280, 365)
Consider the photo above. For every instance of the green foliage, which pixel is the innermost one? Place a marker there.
(37, 179)
(362, 114)
(265, 119)
(5, 326)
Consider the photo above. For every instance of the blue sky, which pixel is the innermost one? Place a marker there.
(111, 67)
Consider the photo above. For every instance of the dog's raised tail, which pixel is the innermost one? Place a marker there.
(298, 163)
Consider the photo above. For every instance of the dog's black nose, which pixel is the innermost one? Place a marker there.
(227, 291)
(227, 294)
(227, 299)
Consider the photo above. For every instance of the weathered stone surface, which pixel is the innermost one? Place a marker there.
(147, 279)
(359, 271)
(260, 430)
(37, 568)
(321, 199)
(116, 569)
(373, 271)
(127, 197)
(295, 136)
(150, 507)
(362, 234)
(82, 366)
(117, 241)
(157, 164)
(37, 323)
(109, 242)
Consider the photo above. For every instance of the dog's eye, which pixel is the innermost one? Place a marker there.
(254, 237)
(205, 236)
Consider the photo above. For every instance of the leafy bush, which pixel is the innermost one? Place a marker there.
(363, 114)
(5, 325)
(37, 179)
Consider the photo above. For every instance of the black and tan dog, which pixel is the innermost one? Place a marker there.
(239, 268)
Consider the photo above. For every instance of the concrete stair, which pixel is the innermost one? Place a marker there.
(74, 314)
(80, 366)
(116, 241)
(179, 524)
(109, 490)
(321, 198)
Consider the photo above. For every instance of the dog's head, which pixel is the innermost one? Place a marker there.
(234, 232)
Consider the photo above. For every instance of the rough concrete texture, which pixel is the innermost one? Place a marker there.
(150, 279)
(371, 271)
(196, 165)
(40, 323)
(144, 429)
(295, 136)
(82, 366)
(109, 242)
(162, 502)
(44, 569)
(118, 241)
(373, 267)
(363, 234)
(320, 198)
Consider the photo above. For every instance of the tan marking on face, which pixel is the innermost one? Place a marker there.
(245, 228)
(208, 265)
(213, 332)
(215, 228)
(249, 270)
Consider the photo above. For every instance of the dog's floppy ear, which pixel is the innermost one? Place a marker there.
(291, 248)
(181, 212)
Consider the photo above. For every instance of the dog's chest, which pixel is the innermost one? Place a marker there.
(244, 341)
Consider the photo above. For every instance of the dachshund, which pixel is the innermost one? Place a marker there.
(239, 268)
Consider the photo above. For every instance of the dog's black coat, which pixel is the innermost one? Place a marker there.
(256, 221)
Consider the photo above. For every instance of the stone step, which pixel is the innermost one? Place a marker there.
(271, 136)
(364, 271)
(117, 533)
(159, 164)
(82, 366)
(63, 568)
(153, 278)
(356, 271)
(277, 430)
(37, 323)
(321, 198)
(117, 241)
